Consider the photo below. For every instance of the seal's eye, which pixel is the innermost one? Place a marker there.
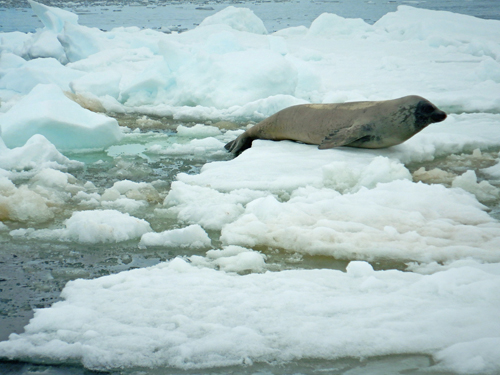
(426, 108)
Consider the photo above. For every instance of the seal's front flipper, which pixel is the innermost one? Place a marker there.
(343, 137)
(239, 145)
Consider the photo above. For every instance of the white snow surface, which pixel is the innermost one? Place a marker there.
(176, 314)
(227, 307)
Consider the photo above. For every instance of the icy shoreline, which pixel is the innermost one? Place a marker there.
(414, 228)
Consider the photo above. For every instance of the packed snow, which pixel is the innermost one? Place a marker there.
(428, 207)
(178, 314)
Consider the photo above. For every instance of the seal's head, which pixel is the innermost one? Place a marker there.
(427, 113)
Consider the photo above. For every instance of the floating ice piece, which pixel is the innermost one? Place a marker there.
(53, 178)
(79, 42)
(242, 19)
(346, 177)
(433, 224)
(331, 25)
(286, 165)
(232, 259)
(188, 317)
(37, 153)
(22, 204)
(494, 170)
(47, 111)
(205, 206)
(14, 43)
(433, 176)
(129, 196)
(359, 269)
(198, 131)
(46, 191)
(484, 191)
(104, 226)
(472, 357)
(53, 18)
(193, 237)
(132, 190)
(439, 27)
(23, 77)
(98, 83)
(96, 226)
(199, 147)
(45, 43)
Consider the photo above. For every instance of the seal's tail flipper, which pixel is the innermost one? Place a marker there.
(239, 145)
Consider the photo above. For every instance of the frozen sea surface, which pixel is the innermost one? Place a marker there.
(137, 244)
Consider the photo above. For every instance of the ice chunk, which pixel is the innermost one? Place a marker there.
(104, 226)
(22, 78)
(473, 357)
(359, 269)
(483, 190)
(80, 42)
(217, 80)
(14, 42)
(22, 204)
(53, 18)
(434, 176)
(433, 223)
(98, 83)
(193, 237)
(232, 259)
(96, 226)
(195, 147)
(201, 205)
(344, 177)
(10, 61)
(52, 178)
(494, 170)
(242, 19)
(273, 166)
(187, 316)
(439, 27)
(45, 43)
(37, 153)
(198, 131)
(129, 196)
(47, 111)
(331, 25)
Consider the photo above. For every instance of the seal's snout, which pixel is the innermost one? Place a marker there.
(427, 113)
(438, 116)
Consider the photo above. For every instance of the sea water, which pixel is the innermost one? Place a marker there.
(172, 172)
(177, 15)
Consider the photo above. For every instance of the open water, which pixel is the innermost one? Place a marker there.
(182, 15)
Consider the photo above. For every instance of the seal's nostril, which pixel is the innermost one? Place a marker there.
(438, 116)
